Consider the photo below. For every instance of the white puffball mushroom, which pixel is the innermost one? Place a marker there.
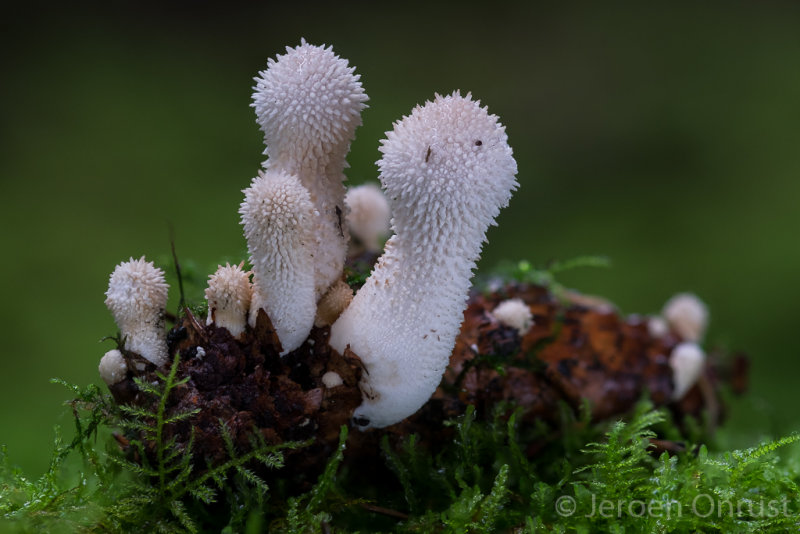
(447, 170)
(308, 103)
(112, 367)
(368, 215)
(687, 315)
(687, 361)
(276, 215)
(137, 298)
(333, 303)
(331, 380)
(228, 295)
(515, 314)
(657, 327)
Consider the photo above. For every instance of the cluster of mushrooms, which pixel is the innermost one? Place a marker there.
(446, 171)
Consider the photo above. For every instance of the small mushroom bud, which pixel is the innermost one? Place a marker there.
(331, 380)
(333, 303)
(276, 215)
(447, 170)
(515, 314)
(308, 103)
(687, 361)
(657, 327)
(687, 315)
(368, 215)
(112, 367)
(228, 295)
(137, 298)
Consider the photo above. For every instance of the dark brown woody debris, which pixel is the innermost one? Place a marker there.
(575, 351)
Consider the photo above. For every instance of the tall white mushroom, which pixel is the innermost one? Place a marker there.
(276, 215)
(368, 215)
(137, 298)
(447, 170)
(228, 295)
(308, 103)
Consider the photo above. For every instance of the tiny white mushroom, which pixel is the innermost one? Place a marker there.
(276, 215)
(308, 103)
(368, 215)
(333, 303)
(657, 327)
(447, 170)
(137, 298)
(687, 315)
(687, 361)
(331, 380)
(228, 295)
(112, 367)
(515, 314)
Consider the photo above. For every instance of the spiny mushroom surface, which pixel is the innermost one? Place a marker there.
(276, 215)
(308, 103)
(112, 367)
(137, 298)
(228, 295)
(447, 170)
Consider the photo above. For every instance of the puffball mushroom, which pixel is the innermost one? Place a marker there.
(515, 314)
(687, 315)
(368, 215)
(137, 298)
(277, 217)
(447, 170)
(687, 361)
(228, 295)
(333, 303)
(308, 103)
(112, 367)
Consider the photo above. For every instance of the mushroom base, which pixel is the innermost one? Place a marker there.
(573, 354)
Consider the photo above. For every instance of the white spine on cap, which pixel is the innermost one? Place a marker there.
(308, 103)
(228, 295)
(137, 298)
(687, 361)
(368, 215)
(276, 215)
(447, 170)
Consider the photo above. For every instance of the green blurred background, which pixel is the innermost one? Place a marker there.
(665, 136)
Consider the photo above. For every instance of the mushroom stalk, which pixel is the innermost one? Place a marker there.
(308, 103)
(447, 170)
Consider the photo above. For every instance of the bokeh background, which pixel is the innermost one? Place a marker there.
(663, 135)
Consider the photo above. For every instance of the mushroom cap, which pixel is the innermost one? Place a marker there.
(368, 214)
(333, 303)
(228, 295)
(687, 361)
(515, 314)
(136, 287)
(112, 367)
(449, 158)
(308, 103)
(687, 315)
